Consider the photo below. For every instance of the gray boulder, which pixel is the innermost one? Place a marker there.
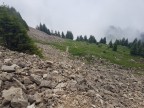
(6, 68)
(6, 76)
(35, 78)
(16, 97)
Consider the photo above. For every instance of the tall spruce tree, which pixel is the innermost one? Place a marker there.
(81, 38)
(63, 36)
(111, 44)
(69, 35)
(85, 38)
(115, 46)
(92, 39)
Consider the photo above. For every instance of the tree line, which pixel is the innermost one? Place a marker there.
(43, 27)
(136, 47)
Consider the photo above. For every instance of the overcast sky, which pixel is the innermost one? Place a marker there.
(81, 16)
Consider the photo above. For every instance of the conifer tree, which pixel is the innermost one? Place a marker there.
(63, 36)
(115, 46)
(69, 35)
(85, 38)
(92, 39)
(78, 38)
(81, 38)
(111, 44)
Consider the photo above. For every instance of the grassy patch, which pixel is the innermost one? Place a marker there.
(121, 57)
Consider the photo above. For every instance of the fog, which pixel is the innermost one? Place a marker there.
(85, 17)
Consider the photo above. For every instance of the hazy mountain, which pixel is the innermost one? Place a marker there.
(114, 32)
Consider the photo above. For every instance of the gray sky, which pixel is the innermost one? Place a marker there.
(81, 16)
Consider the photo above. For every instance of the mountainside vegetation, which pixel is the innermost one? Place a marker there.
(118, 54)
(13, 32)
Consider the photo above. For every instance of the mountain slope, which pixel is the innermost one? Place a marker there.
(60, 82)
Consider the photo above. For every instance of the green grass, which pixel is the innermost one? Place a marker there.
(121, 57)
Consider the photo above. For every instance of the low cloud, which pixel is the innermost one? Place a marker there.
(86, 17)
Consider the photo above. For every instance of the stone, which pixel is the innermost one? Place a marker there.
(38, 71)
(44, 76)
(72, 85)
(6, 76)
(8, 62)
(21, 64)
(1, 83)
(15, 66)
(49, 62)
(58, 91)
(35, 78)
(16, 96)
(61, 85)
(0, 54)
(31, 99)
(33, 86)
(27, 80)
(55, 72)
(46, 84)
(38, 97)
(20, 84)
(91, 93)
(8, 68)
(31, 106)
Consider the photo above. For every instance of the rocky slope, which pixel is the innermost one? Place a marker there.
(26, 81)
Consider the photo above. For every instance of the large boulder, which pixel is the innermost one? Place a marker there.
(16, 97)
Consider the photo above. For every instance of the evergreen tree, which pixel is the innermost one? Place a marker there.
(69, 35)
(134, 49)
(111, 44)
(63, 36)
(115, 46)
(13, 32)
(42, 27)
(123, 42)
(81, 38)
(126, 42)
(78, 38)
(92, 39)
(103, 40)
(58, 34)
(85, 38)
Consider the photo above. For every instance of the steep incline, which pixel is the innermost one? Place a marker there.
(38, 35)
(61, 82)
